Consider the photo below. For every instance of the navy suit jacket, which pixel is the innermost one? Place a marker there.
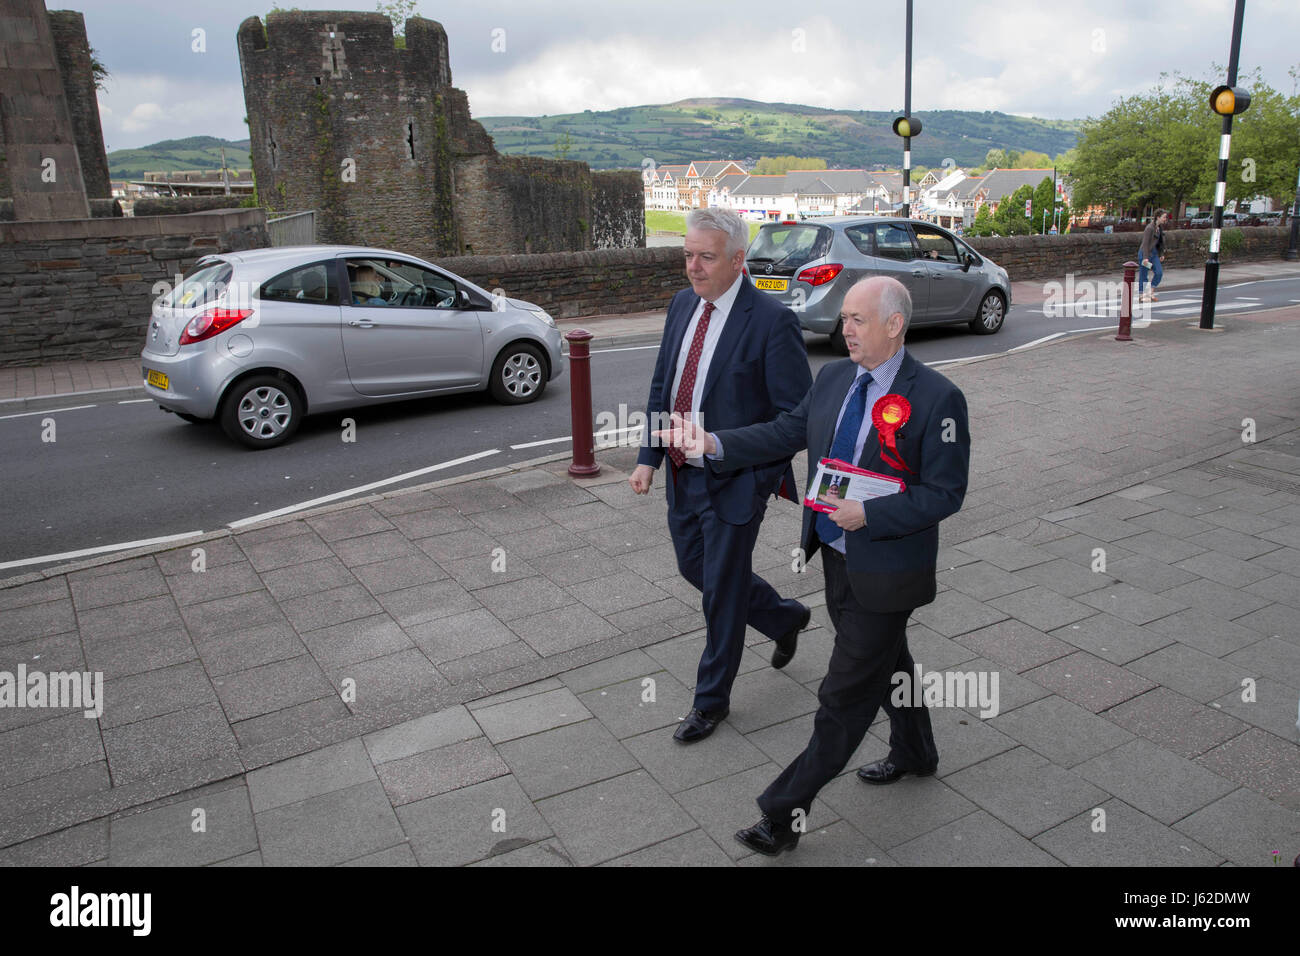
(759, 370)
(891, 562)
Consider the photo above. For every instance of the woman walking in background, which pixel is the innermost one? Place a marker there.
(1153, 244)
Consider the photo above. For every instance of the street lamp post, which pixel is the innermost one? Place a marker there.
(1227, 101)
(1290, 255)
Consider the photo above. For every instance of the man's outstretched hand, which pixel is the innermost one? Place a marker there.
(693, 440)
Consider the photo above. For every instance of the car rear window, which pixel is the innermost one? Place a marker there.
(313, 284)
(205, 283)
(786, 246)
(893, 241)
(860, 236)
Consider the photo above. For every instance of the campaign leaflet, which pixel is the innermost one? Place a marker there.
(851, 483)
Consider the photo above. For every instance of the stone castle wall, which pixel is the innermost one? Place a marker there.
(71, 46)
(382, 146)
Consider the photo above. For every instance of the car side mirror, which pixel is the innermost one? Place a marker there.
(967, 260)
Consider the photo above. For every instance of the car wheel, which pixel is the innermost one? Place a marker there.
(993, 309)
(261, 412)
(192, 419)
(518, 375)
(838, 345)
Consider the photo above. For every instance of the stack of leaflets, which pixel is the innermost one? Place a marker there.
(849, 482)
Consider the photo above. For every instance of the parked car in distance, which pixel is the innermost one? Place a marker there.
(256, 340)
(810, 264)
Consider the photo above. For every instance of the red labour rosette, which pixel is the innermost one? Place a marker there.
(889, 414)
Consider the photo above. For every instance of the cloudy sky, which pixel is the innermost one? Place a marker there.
(1049, 58)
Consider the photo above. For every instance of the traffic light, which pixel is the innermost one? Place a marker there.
(1230, 100)
(908, 126)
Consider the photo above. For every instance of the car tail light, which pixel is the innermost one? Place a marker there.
(212, 322)
(820, 275)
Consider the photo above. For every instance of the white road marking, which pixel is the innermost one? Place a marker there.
(1045, 338)
(599, 436)
(348, 493)
(964, 358)
(48, 411)
(103, 549)
(134, 401)
(538, 444)
(630, 348)
(1238, 285)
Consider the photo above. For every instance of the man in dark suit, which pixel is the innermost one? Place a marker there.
(879, 555)
(730, 356)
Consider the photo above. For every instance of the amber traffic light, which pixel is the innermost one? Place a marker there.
(907, 126)
(1229, 100)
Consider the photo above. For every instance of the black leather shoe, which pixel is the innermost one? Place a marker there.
(886, 771)
(767, 838)
(788, 643)
(699, 724)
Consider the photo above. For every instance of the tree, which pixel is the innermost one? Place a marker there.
(399, 11)
(1010, 219)
(563, 146)
(1161, 148)
(768, 165)
(983, 224)
(98, 71)
(1041, 219)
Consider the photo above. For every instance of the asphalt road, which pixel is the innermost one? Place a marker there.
(124, 472)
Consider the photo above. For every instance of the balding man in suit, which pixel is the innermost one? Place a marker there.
(879, 555)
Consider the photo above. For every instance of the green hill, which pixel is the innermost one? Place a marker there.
(193, 152)
(746, 129)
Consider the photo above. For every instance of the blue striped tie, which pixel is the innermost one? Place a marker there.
(846, 440)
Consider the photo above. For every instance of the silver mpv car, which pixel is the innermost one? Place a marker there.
(258, 339)
(809, 265)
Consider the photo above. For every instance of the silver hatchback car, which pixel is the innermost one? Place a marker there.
(809, 265)
(258, 339)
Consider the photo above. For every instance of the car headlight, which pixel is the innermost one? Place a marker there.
(544, 316)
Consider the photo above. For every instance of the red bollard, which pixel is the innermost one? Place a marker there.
(1126, 303)
(584, 443)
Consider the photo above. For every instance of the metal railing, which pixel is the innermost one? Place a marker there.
(295, 229)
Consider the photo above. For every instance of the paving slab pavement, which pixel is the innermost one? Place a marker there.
(488, 670)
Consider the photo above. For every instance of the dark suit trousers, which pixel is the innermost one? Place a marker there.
(717, 558)
(869, 649)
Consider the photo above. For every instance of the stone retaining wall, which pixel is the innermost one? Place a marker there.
(84, 288)
(572, 284)
(613, 281)
(1092, 253)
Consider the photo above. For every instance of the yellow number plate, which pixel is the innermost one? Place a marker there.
(771, 285)
(156, 379)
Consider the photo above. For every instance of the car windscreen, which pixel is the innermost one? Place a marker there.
(204, 284)
(787, 246)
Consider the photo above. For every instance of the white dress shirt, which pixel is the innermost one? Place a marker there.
(721, 310)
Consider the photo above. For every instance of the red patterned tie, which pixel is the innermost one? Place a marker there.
(686, 390)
